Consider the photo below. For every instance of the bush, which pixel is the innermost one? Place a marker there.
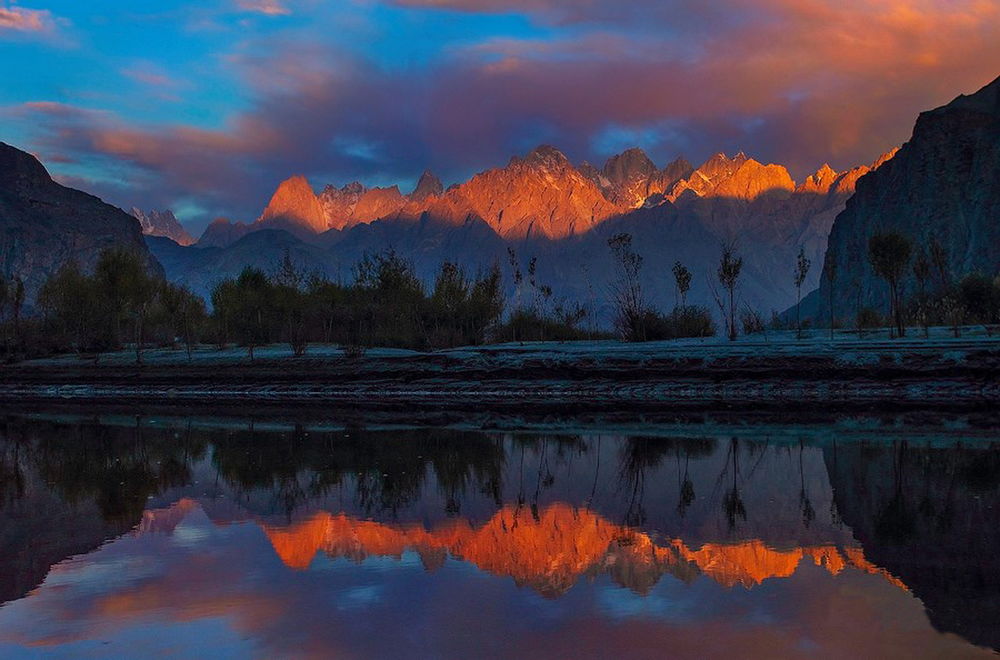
(869, 319)
(752, 322)
(979, 298)
(683, 321)
(529, 325)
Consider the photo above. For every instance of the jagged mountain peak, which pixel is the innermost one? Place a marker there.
(295, 203)
(544, 156)
(428, 186)
(162, 223)
(679, 164)
(629, 165)
(352, 188)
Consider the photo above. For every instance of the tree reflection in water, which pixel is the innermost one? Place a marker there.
(544, 509)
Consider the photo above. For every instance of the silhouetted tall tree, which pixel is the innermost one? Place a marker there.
(682, 278)
(730, 266)
(889, 255)
(802, 265)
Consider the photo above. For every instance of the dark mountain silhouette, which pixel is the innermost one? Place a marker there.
(943, 184)
(44, 225)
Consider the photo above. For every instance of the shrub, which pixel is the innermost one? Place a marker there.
(753, 323)
(684, 321)
(869, 319)
(529, 325)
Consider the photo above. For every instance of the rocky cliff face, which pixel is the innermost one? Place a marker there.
(428, 186)
(162, 223)
(43, 225)
(631, 179)
(296, 207)
(541, 195)
(944, 183)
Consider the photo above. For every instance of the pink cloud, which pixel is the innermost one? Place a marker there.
(17, 19)
(799, 82)
(267, 7)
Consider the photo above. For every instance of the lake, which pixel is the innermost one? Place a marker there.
(856, 536)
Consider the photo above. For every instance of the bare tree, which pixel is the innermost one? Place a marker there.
(922, 274)
(730, 266)
(626, 291)
(830, 273)
(802, 265)
(682, 277)
(939, 259)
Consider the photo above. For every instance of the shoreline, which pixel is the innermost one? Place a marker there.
(595, 376)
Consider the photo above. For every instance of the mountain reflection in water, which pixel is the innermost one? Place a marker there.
(180, 538)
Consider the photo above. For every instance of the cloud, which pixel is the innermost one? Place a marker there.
(268, 7)
(799, 82)
(19, 20)
(156, 80)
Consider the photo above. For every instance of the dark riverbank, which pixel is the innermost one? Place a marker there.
(571, 377)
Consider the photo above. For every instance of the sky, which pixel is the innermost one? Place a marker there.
(204, 106)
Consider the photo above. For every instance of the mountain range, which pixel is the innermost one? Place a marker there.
(943, 183)
(543, 206)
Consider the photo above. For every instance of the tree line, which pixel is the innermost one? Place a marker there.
(122, 303)
(938, 296)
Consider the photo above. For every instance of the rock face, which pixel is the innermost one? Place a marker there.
(162, 223)
(428, 186)
(944, 184)
(296, 207)
(221, 232)
(538, 196)
(44, 225)
(630, 179)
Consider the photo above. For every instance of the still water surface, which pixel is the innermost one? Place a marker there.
(134, 537)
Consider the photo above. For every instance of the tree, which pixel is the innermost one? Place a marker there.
(127, 290)
(184, 312)
(730, 266)
(940, 261)
(4, 299)
(450, 304)
(626, 290)
(802, 265)
(246, 303)
(72, 305)
(682, 278)
(224, 304)
(291, 304)
(17, 301)
(486, 301)
(979, 298)
(329, 304)
(922, 274)
(889, 255)
(395, 298)
(830, 273)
